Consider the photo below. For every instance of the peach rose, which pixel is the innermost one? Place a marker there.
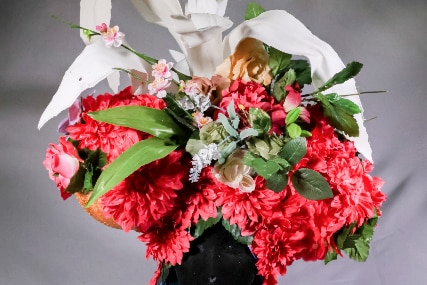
(235, 173)
(249, 62)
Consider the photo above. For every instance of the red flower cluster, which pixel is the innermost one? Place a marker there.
(304, 229)
(253, 95)
(111, 139)
(148, 194)
(159, 201)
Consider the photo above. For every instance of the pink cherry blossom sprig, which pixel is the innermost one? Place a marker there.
(111, 35)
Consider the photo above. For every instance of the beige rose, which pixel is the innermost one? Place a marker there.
(235, 173)
(249, 62)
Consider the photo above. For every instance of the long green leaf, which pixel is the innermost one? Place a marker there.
(350, 71)
(152, 121)
(141, 153)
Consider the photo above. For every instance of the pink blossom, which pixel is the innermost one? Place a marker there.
(158, 87)
(112, 36)
(102, 28)
(162, 69)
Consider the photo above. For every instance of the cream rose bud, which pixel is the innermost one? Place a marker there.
(249, 62)
(235, 173)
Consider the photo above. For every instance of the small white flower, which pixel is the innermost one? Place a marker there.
(202, 159)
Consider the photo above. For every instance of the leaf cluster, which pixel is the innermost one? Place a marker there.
(89, 170)
(355, 242)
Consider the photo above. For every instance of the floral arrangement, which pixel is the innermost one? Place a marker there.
(226, 134)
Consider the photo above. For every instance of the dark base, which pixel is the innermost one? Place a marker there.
(216, 258)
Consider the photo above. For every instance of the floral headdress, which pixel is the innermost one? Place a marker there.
(226, 134)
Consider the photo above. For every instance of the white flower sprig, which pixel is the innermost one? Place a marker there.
(202, 159)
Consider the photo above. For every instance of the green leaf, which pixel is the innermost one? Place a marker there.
(77, 181)
(278, 60)
(164, 273)
(279, 91)
(253, 10)
(294, 130)
(232, 115)
(235, 231)
(141, 153)
(88, 181)
(344, 104)
(356, 244)
(350, 71)
(292, 116)
(212, 132)
(302, 71)
(97, 158)
(177, 112)
(152, 121)
(193, 146)
(338, 118)
(265, 168)
(227, 151)
(203, 225)
(294, 150)
(311, 184)
(227, 126)
(330, 255)
(260, 165)
(285, 165)
(277, 182)
(359, 252)
(259, 120)
(248, 132)
(305, 133)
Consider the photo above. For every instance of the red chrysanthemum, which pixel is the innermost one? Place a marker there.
(199, 198)
(111, 139)
(147, 195)
(247, 210)
(157, 274)
(356, 193)
(254, 95)
(167, 241)
(275, 246)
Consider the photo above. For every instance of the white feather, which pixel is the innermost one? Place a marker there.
(94, 64)
(93, 13)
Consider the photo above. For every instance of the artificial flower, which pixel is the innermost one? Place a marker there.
(223, 144)
(112, 36)
(62, 162)
(235, 173)
(247, 210)
(249, 62)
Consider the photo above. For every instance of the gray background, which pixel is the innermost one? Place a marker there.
(44, 240)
